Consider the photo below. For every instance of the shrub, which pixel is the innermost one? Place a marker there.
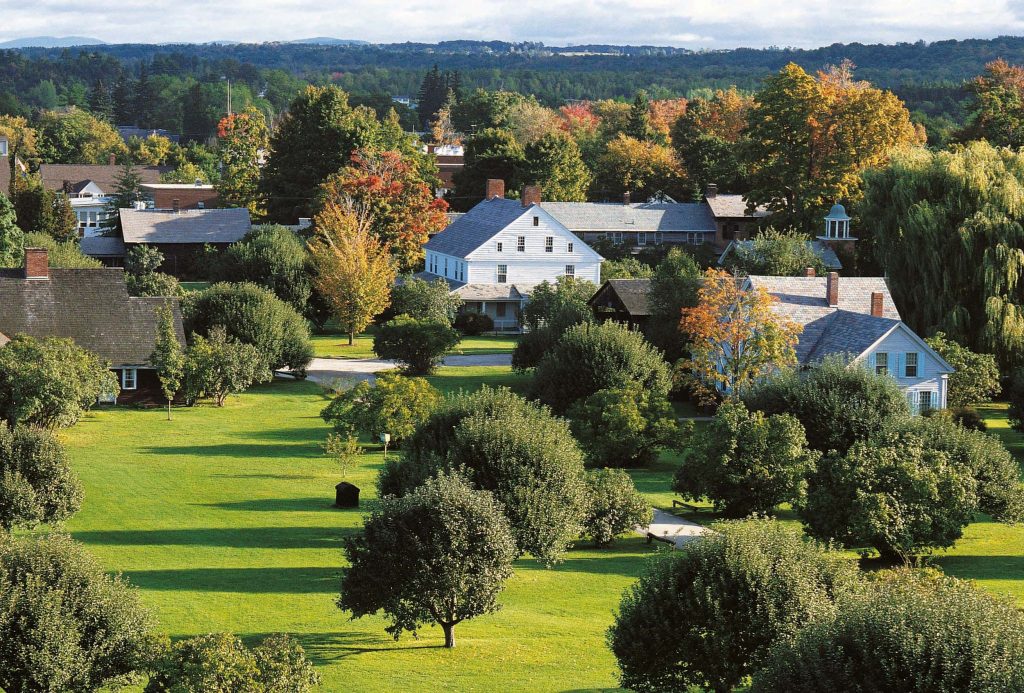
(1015, 396)
(532, 347)
(913, 632)
(746, 462)
(273, 257)
(969, 418)
(221, 663)
(508, 446)
(838, 403)
(975, 379)
(65, 625)
(66, 254)
(439, 555)
(37, 483)
(219, 366)
(395, 404)
(343, 449)
(560, 305)
(778, 254)
(473, 324)
(252, 315)
(141, 277)
(706, 617)
(50, 382)
(893, 493)
(589, 358)
(418, 345)
(623, 427)
(615, 506)
(425, 300)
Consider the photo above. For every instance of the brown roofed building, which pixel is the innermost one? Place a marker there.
(92, 307)
(58, 177)
(622, 300)
(181, 235)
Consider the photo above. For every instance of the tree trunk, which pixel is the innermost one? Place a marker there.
(168, 409)
(351, 338)
(449, 634)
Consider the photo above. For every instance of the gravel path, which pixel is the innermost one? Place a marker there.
(675, 529)
(326, 371)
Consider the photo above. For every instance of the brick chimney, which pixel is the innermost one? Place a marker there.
(37, 263)
(809, 272)
(112, 159)
(531, 195)
(495, 188)
(832, 289)
(625, 198)
(711, 191)
(876, 304)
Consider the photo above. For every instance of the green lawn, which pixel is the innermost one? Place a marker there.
(335, 345)
(223, 520)
(195, 286)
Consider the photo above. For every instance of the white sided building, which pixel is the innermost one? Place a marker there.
(495, 254)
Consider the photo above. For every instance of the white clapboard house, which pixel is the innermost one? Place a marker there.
(493, 255)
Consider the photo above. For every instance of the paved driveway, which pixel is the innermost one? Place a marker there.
(326, 371)
(671, 528)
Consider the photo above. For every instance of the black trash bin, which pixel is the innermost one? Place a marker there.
(346, 495)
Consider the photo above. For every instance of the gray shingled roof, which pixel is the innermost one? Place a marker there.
(102, 246)
(632, 294)
(831, 329)
(90, 306)
(822, 250)
(185, 226)
(734, 207)
(491, 292)
(103, 175)
(476, 227)
(664, 217)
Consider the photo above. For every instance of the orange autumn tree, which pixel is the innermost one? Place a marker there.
(354, 269)
(389, 189)
(735, 336)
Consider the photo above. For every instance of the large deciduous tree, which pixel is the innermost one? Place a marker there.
(975, 378)
(639, 167)
(440, 554)
(777, 254)
(490, 153)
(75, 136)
(948, 231)
(812, 138)
(553, 162)
(354, 268)
(274, 257)
(709, 139)
(996, 113)
(390, 191)
(242, 139)
(217, 366)
(12, 239)
(674, 285)
(735, 337)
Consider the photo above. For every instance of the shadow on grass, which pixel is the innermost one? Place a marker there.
(982, 567)
(311, 504)
(312, 434)
(325, 648)
(239, 450)
(283, 477)
(239, 580)
(238, 538)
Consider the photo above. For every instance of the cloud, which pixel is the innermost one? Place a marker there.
(689, 23)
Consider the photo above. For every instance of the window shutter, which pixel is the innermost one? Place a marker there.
(901, 365)
(920, 365)
(871, 363)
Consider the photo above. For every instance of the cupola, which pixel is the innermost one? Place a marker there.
(837, 225)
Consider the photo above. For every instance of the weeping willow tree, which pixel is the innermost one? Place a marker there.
(948, 232)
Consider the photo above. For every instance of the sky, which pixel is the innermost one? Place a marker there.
(692, 24)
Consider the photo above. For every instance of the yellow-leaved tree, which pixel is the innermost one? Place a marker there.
(735, 337)
(354, 270)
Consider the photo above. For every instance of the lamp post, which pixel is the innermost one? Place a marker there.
(385, 438)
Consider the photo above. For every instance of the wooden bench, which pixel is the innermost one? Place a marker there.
(691, 508)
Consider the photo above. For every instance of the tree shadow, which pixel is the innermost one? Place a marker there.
(237, 538)
(312, 434)
(239, 580)
(982, 567)
(240, 450)
(325, 648)
(283, 477)
(311, 504)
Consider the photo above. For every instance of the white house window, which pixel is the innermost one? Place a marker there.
(925, 401)
(499, 246)
(521, 244)
(910, 369)
(617, 237)
(570, 247)
(502, 274)
(129, 378)
(536, 221)
(570, 270)
(881, 363)
(549, 244)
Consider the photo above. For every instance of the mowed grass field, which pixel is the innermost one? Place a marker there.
(334, 344)
(223, 519)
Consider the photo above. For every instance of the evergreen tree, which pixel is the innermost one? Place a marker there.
(126, 193)
(12, 240)
(639, 125)
(432, 94)
(101, 102)
(123, 100)
(144, 98)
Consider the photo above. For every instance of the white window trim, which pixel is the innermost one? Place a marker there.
(134, 378)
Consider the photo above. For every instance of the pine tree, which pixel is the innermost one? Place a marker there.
(126, 193)
(144, 98)
(124, 101)
(639, 125)
(101, 103)
(432, 95)
(168, 358)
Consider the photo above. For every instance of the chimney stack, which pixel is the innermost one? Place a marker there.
(495, 188)
(809, 272)
(112, 159)
(531, 195)
(625, 198)
(832, 288)
(37, 263)
(176, 205)
(876, 304)
(712, 191)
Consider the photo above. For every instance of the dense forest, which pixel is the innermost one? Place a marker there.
(186, 85)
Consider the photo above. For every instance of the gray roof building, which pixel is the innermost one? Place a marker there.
(187, 226)
(102, 246)
(733, 207)
(90, 306)
(476, 227)
(650, 217)
(628, 297)
(822, 250)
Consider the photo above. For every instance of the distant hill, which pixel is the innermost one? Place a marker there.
(328, 41)
(51, 42)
